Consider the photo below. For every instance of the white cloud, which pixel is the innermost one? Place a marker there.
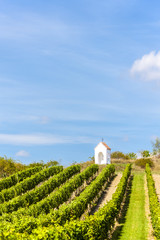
(22, 153)
(41, 139)
(148, 67)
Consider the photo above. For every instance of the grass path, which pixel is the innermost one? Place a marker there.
(150, 229)
(135, 225)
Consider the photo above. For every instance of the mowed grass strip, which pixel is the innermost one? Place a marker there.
(135, 226)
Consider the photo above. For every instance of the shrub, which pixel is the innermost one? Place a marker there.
(145, 153)
(9, 166)
(131, 155)
(143, 161)
(118, 154)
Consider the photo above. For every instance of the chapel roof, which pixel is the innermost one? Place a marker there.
(106, 145)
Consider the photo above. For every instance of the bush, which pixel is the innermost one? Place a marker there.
(9, 166)
(143, 161)
(131, 155)
(118, 154)
(37, 164)
(145, 153)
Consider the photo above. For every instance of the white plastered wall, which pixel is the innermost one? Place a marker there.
(108, 156)
(100, 148)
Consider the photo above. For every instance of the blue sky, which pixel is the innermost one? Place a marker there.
(72, 72)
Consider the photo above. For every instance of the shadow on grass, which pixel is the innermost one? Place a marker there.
(117, 232)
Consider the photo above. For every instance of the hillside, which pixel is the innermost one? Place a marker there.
(82, 201)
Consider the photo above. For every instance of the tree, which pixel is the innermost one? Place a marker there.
(92, 158)
(51, 163)
(145, 153)
(35, 164)
(9, 166)
(118, 155)
(156, 146)
(131, 155)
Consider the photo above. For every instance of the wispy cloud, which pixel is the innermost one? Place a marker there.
(41, 139)
(26, 26)
(89, 58)
(31, 118)
(148, 67)
(22, 153)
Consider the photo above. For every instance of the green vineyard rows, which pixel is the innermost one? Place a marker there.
(77, 207)
(23, 222)
(28, 183)
(18, 177)
(94, 227)
(153, 202)
(40, 192)
(49, 216)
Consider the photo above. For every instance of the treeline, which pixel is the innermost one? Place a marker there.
(142, 153)
(140, 162)
(9, 166)
(131, 155)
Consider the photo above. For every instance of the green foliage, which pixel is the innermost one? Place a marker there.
(95, 226)
(34, 164)
(77, 207)
(131, 155)
(68, 211)
(118, 155)
(41, 163)
(143, 161)
(156, 146)
(92, 158)
(145, 153)
(8, 166)
(121, 155)
(18, 177)
(28, 223)
(38, 193)
(51, 163)
(28, 183)
(135, 215)
(154, 203)
(55, 199)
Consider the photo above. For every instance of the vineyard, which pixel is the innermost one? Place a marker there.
(74, 203)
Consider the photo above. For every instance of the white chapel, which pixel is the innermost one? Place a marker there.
(102, 153)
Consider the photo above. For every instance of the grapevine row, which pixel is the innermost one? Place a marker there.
(55, 199)
(78, 206)
(58, 197)
(94, 227)
(153, 202)
(18, 177)
(40, 192)
(28, 183)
